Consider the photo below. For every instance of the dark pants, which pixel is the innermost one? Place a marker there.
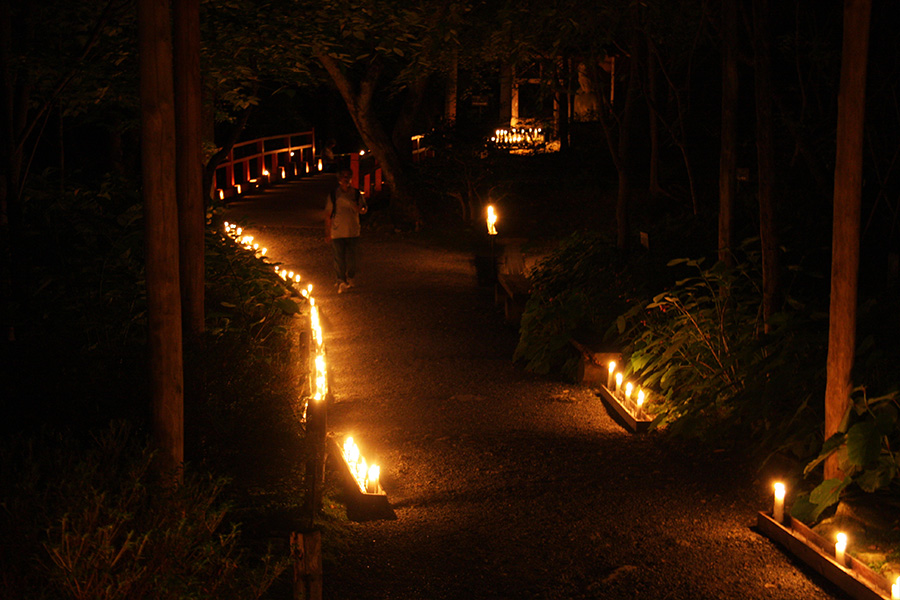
(344, 250)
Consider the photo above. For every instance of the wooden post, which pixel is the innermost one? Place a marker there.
(848, 172)
(306, 551)
(161, 227)
(191, 205)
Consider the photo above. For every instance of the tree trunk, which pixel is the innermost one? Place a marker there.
(161, 224)
(8, 183)
(562, 103)
(451, 89)
(845, 229)
(728, 148)
(359, 104)
(765, 151)
(189, 170)
(652, 102)
(403, 128)
(623, 196)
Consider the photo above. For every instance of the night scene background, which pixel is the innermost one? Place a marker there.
(708, 189)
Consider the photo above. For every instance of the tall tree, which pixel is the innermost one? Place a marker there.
(765, 153)
(845, 228)
(189, 168)
(161, 231)
(728, 147)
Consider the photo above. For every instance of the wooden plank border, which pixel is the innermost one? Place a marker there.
(361, 506)
(856, 579)
(622, 414)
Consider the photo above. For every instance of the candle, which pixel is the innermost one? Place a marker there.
(640, 404)
(372, 479)
(319, 165)
(609, 378)
(628, 389)
(618, 381)
(840, 549)
(895, 590)
(491, 220)
(778, 510)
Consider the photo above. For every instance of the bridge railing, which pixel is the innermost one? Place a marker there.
(263, 160)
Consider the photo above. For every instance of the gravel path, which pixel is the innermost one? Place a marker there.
(505, 485)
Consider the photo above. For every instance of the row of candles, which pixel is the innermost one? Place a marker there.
(366, 475)
(627, 391)
(518, 135)
(281, 173)
(841, 539)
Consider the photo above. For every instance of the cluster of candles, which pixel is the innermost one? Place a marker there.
(366, 475)
(518, 135)
(246, 241)
(625, 392)
(841, 539)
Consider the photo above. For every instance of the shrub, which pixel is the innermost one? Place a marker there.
(579, 288)
(88, 520)
(701, 344)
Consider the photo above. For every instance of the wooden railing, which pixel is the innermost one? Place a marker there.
(264, 160)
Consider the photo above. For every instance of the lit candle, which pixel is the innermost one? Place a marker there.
(372, 479)
(238, 188)
(778, 511)
(221, 194)
(618, 381)
(320, 164)
(840, 549)
(895, 590)
(628, 389)
(609, 378)
(491, 220)
(351, 451)
(640, 404)
(307, 167)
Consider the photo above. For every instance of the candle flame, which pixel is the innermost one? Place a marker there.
(640, 398)
(628, 389)
(612, 366)
(779, 490)
(841, 541)
(491, 220)
(319, 165)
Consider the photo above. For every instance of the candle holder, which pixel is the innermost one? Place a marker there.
(363, 504)
(626, 411)
(853, 577)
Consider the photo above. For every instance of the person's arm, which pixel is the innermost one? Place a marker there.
(361, 206)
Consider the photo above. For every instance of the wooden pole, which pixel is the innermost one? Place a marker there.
(845, 228)
(306, 550)
(191, 206)
(161, 226)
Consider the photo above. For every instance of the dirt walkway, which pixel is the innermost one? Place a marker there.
(507, 485)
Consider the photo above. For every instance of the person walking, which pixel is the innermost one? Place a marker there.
(342, 209)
